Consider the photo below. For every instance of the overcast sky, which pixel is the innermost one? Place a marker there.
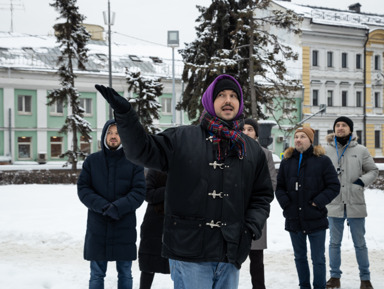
(145, 19)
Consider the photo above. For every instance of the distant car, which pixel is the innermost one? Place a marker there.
(276, 161)
(5, 160)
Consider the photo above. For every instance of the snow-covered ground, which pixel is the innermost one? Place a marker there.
(41, 243)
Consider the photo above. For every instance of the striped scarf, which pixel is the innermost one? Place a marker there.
(222, 130)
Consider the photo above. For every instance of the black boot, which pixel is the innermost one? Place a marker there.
(146, 280)
(333, 283)
(366, 284)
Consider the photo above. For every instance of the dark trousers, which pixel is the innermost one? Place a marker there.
(317, 244)
(256, 268)
(146, 280)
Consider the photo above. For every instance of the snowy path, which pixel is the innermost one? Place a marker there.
(42, 230)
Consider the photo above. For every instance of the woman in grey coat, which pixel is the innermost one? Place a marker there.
(256, 255)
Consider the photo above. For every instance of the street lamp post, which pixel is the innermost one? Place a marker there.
(109, 22)
(173, 41)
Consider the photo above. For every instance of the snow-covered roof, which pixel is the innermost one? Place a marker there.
(41, 52)
(267, 121)
(330, 16)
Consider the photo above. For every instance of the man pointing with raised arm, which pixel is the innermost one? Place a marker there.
(218, 190)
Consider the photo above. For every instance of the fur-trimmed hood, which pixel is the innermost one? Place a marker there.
(317, 151)
(330, 138)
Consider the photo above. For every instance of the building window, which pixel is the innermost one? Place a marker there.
(344, 60)
(86, 103)
(166, 105)
(315, 57)
(359, 134)
(24, 145)
(57, 108)
(344, 97)
(377, 99)
(266, 111)
(135, 58)
(330, 59)
(315, 97)
(358, 61)
(56, 146)
(377, 62)
(358, 99)
(287, 105)
(377, 139)
(24, 104)
(85, 146)
(330, 98)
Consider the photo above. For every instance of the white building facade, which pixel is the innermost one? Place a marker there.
(342, 67)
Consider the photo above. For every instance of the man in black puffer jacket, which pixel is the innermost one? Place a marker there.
(112, 188)
(307, 181)
(218, 189)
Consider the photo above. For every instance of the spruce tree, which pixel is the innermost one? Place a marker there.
(231, 39)
(213, 42)
(72, 38)
(265, 57)
(147, 89)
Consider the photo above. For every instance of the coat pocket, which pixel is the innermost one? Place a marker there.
(357, 195)
(244, 245)
(184, 236)
(290, 212)
(314, 213)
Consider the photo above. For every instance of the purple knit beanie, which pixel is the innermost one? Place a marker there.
(208, 96)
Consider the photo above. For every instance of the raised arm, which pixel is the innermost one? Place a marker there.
(151, 151)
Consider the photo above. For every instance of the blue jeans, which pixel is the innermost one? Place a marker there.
(357, 228)
(203, 275)
(99, 268)
(317, 243)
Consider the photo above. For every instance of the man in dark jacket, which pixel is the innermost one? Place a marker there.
(307, 181)
(112, 188)
(218, 189)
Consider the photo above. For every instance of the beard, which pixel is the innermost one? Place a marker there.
(113, 145)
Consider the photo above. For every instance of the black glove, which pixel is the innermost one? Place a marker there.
(105, 207)
(117, 102)
(359, 182)
(112, 212)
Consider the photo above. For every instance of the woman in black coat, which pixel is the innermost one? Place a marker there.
(150, 260)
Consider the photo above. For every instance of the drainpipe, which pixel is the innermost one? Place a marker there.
(365, 90)
(182, 95)
(10, 131)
